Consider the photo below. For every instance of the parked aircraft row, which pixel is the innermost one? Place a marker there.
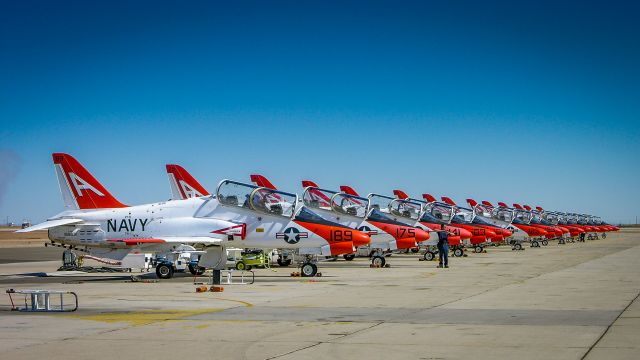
(321, 223)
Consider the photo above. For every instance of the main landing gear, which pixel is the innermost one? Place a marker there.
(535, 243)
(378, 260)
(478, 249)
(517, 246)
(458, 252)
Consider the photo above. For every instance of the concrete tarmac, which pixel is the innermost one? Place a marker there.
(571, 301)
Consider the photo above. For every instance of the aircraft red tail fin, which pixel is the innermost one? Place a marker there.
(472, 202)
(528, 207)
(348, 190)
(400, 194)
(448, 200)
(486, 203)
(307, 183)
(183, 185)
(80, 190)
(429, 197)
(262, 181)
(518, 206)
(501, 204)
(539, 208)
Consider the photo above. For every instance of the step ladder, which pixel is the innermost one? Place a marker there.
(45, 300)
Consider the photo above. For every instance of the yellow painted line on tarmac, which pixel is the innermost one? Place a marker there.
(145, 317)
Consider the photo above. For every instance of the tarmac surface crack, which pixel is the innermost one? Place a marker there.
(609, 327)
(327, 342)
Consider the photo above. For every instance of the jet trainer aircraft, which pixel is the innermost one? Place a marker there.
(96, 222)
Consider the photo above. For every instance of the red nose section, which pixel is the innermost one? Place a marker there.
(464, 233)
(336, 234)
(422, 235)
(360, 238)
(342, 247)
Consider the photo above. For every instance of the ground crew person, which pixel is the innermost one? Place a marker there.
(443, 247)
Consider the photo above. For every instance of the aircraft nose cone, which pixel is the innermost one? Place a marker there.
(491, 234)
(360, 238)
(465, 234)
(422, 235)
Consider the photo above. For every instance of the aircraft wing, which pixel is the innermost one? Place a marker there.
(49, 224)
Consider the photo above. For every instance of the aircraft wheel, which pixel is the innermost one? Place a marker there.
(308, 269)
(164, 271)
(240, 265)
(284, 262)
(429, 256)
(415, 250)
(477, 249)
(517, 246)
(457, 252)
(378, 261)
(604, 235)
(545, 242)
(534, 243)
(349, 257)
(196, 270)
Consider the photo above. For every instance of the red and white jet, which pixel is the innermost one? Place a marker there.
(96, 222)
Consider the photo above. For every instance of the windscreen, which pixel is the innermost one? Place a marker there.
(502, 214)
(440, 213)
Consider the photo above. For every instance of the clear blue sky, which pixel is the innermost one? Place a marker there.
(536, 102)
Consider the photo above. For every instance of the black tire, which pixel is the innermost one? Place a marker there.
(517, 246)
(378, 260)
(477, 249)
(308, 270)
(545, 242)
(604, 235)
(457, 252)
(240, 265)
(196, 270)
(164, 271)
(429, 256)
(284, 262)
(349, 257)
(535, 243)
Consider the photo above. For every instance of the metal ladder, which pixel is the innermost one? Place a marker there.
(45, 300)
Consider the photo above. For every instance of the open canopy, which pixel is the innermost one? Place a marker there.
(438, 212)
(338, 202)
(256, 198)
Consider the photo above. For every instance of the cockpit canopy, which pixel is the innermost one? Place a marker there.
(406, 208)
(523, 216)
(264, 200)
(341, 203)
(380, 202)
(438, 212)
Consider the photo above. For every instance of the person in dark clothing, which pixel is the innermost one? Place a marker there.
(443, 247)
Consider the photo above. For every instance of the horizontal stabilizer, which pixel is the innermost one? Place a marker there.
(539, 208)
(49, 224)
(486, 203)
(472, 202)
(501, 204)
(518, 206)
(528, 207)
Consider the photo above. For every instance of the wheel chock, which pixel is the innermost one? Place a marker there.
(200, 289)
(295, 274)
(216, 289)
